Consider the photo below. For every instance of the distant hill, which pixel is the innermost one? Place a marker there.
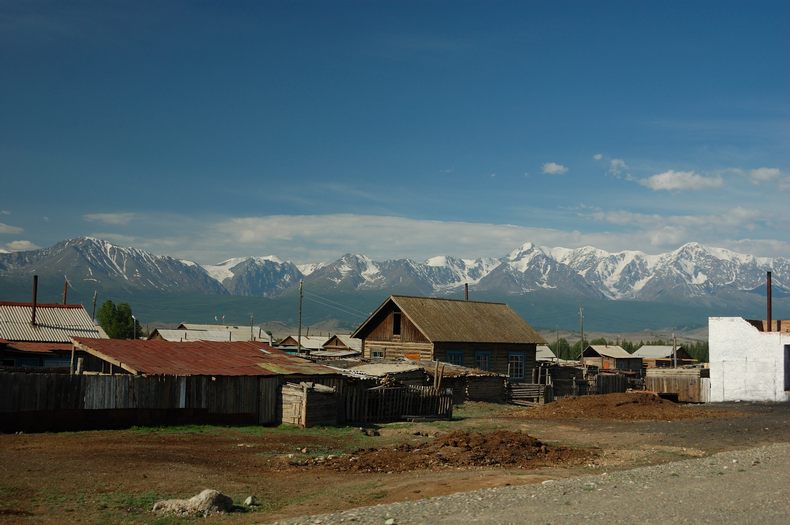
(622, 291)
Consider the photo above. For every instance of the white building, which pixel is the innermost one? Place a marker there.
(748, 362)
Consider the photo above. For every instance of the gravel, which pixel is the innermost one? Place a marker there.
(742, 486)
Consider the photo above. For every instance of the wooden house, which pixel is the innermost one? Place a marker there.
(487, 336)
(611, 357)
(663, 356)
(38, 336)
(309, 343)
(344, 343)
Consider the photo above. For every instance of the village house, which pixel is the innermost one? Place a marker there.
(749, 360)
(190, 335)
(34, 335)
(487, 336)
(611, 357)
(343, 343)
(664, 356)
(309, 343)
(544, 353)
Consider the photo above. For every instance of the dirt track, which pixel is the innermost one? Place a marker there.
(114, 476)
(745, 486)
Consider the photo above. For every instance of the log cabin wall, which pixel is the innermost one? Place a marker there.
(386, 343)
(499, 354)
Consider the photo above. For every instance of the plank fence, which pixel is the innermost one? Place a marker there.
(690, 385)
(45, 402)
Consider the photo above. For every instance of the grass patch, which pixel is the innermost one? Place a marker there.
(179, 429)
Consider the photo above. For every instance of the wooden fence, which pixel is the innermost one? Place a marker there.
(689, 384)
(42, 402)
(394, 403)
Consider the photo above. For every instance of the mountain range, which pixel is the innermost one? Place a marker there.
(693, 272)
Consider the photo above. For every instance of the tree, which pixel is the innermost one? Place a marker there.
(118, 321)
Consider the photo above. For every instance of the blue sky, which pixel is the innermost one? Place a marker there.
(206, 130)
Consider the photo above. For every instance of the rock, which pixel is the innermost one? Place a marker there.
(251, 501)
(390, 521)
(205, 503)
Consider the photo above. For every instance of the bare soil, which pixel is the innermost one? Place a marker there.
(460, 449)
(116, 476)
(622, 406)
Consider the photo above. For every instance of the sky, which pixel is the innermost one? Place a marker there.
(208, 130)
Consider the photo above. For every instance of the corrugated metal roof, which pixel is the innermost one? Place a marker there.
(37, 348)
(617, 352)
(236, 358)
(238, 332)
(55, 323)
(544, 353)
(191, 335)
(654, 351)
(457, 321)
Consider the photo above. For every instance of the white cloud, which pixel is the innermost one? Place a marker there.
(110, 218)
(784, 184)
(598, 156)
(681, 180)
(552, 168)
(764, 175)
(5, 212)
(618, 168)
(18, 246)
(6, 228)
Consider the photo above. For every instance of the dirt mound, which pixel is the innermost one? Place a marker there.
(629, 405)
(502, 448)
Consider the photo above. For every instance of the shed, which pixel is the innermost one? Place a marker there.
(309, 404)
(544, 353)
(610, 357)
(475, 334)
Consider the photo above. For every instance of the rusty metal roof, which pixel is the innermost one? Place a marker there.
(37, 348)
(236, 358)
(55, 323)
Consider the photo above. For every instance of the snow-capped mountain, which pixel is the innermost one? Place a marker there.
(93, 263)
(255, 276)
(691, 271)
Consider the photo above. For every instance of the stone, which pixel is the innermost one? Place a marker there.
(207, 502)
(251, 501)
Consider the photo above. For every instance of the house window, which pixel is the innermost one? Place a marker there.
(396, 323)
(483, 360)
(515, 365)
(377, 354)
(455, 357)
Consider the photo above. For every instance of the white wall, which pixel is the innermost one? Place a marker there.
(745, 364)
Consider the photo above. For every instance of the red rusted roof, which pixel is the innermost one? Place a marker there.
(37, 348)
(216, 358)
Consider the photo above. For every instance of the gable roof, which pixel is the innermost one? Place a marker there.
(346, 340)
(233, 358)
(55, 323)
(657, 351)
(614, 351)
(311, 342)
(457, 321)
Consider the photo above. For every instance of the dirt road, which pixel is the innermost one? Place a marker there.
(744, 486)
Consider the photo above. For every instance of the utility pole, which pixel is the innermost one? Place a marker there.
(674, 351)
(251, 322)
(65, 289)
(581, 327)
(95, 294)
(299, 336)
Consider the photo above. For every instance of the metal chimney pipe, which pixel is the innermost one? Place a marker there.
(35, 299)
(768, 300)
(466, 291)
